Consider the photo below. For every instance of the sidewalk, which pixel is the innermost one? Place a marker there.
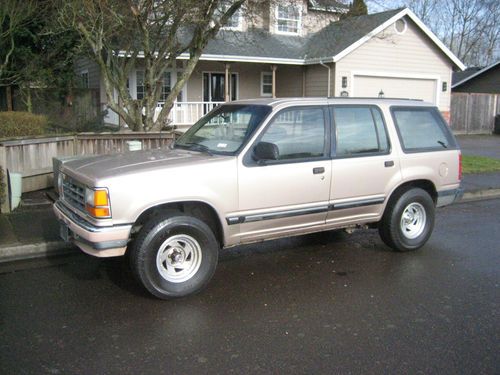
(32, 230)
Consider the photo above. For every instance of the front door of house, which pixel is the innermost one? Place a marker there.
(214, 89)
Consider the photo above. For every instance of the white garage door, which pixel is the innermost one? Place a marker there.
(407, 88)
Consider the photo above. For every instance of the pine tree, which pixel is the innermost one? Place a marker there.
(357, 8)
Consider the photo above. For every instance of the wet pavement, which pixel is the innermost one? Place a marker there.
(480, 145)
(323, 303)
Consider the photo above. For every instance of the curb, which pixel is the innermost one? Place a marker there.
(35, 250)
(480, 194)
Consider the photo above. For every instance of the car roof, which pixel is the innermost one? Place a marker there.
(332, 100)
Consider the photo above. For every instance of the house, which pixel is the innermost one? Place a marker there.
(475, 101)
(485, 81)
(305, 49)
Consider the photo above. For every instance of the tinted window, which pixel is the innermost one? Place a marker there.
(298, 133)
(422, 129)
(359, 131)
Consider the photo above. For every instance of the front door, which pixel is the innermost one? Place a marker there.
(290, 194)
(214, 88)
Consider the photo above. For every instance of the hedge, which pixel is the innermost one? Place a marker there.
(20, 124)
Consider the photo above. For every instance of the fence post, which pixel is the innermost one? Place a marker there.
(5, 207)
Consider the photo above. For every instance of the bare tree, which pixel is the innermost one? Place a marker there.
(120, 33)
(14, 16)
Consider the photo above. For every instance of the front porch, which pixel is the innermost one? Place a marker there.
(215, 82)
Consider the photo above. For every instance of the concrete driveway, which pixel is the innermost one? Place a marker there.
(480, 145)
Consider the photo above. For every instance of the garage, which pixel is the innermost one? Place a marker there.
(395, 87)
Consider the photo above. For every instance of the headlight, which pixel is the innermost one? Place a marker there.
(97, 203)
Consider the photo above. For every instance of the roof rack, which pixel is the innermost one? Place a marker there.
(371, 98)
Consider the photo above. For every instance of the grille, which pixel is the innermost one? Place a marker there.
(73, 193)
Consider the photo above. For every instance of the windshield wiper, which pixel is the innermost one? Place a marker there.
(195, 147)
(442, 144)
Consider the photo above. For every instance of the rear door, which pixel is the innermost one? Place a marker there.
(364, 166)
(290, 194)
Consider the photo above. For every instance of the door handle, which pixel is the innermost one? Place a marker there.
(318, 170)
(389, 163)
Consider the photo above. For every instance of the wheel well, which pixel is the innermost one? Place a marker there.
(426, 185)
(199, 210)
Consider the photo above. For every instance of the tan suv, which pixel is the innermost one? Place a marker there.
(258, 170)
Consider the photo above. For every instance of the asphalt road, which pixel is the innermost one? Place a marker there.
(325, 303)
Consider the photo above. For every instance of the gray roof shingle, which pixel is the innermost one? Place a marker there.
(327, 42)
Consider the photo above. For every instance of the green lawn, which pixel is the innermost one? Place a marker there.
(479, 164)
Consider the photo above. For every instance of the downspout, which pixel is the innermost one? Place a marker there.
(329, 76)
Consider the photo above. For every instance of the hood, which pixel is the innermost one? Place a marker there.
(95, 168)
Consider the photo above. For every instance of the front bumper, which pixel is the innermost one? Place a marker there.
(93, 240)
(447, 197)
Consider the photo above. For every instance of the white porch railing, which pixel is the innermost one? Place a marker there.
(187, 113)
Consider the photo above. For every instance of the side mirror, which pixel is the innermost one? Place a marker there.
(265, 151)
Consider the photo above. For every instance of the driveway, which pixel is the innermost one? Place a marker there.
(480, 145)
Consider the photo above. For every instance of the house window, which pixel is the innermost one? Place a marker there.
(166, 86)
(84, 79)
(266, 84)
(140, 84)
(168, 82)
(288, 19)
(400, 26)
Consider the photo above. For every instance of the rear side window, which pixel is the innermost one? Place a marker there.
(359, 131)
(422, 129)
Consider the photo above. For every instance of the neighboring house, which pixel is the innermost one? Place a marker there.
(304, 50)
(475, 100)
(484, 81)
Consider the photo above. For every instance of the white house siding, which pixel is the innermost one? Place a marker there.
(402, 57)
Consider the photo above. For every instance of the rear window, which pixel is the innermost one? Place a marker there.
(422, 129)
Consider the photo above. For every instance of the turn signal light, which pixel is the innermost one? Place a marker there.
(97, 203)
(99, 212)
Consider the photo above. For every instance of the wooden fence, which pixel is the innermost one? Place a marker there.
(33, 157)
(474, 113)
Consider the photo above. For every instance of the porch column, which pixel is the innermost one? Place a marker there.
(273, 68)
(227, 83)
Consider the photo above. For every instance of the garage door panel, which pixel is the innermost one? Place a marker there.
(407, 88)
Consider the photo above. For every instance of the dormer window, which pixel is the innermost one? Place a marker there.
(288, 19)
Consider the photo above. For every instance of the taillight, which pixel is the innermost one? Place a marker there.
(460, 166)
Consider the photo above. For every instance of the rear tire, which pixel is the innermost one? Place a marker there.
(174, 255)
(408, 220)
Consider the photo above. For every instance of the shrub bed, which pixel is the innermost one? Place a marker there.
(21, 124)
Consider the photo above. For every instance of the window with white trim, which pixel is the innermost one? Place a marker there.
(168, 83)
(288, 19)
(140, 84)
(266, 84)
(166, 86)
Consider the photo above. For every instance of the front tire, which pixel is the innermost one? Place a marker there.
(174, 256)
(408, 220)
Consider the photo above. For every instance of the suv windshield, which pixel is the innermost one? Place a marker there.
(224, 130)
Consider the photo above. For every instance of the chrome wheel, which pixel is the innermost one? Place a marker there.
(413, 220)
(179, 258)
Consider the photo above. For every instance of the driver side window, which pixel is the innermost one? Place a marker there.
(298, 133)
